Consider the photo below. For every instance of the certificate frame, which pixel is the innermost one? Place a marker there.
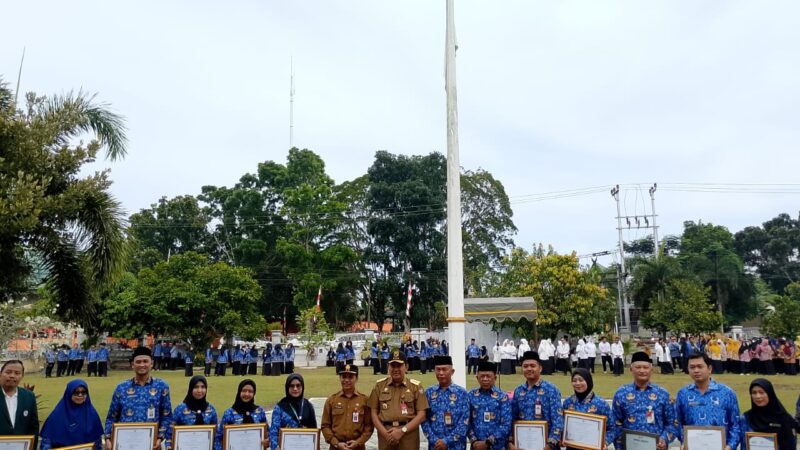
(177, 430)
(26, 440)
(87, 446)
(228, 429)
(639, 434)
(687, 431)
(601, 423)
(542, 424)
(310, 432)
(122, 427)
(753, 434)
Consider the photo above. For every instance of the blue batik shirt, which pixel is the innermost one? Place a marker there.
(547, 395)
(490, 416)
(282, 419)
(718, 406)
(185, 416)
(277, 355)
(593, 404)
(157, 350)
(290, 354)
(74, 354)
(91, 356)
(50, 356)
(209, 356)
(473, 351)
(231, 417)
(102, 354)
(149, 402)
(223, 357)
(632, 407)
(452, 401)
(63, 355)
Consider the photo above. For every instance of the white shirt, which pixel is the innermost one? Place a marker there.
(617, 350)
(544, 350)
(563, 350)
(659, 352)
(605, 348)
(496, 354)
(11, 405)
(591, 350)
(580, 350)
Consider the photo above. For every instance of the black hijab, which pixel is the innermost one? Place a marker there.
(583, 373)
(771, 418)
(298, 407)
(198, 406)
(242, 407)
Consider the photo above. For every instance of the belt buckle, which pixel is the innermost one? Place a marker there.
(396, 423)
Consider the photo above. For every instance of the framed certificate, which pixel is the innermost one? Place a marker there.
(134, 436)
(299, 438)
(704, 437)
(585, 431)
(193, 437)
(87, 446)
(760, 441)
(248, 436)
(530, 434)
(639, 440)
(16, 442)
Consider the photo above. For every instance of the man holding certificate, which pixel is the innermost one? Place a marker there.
(346, 420)
(537, 399)
(643, 406)
(141, 399)
(490, 425)
(398, 406)
(448, 415)
(707, 403)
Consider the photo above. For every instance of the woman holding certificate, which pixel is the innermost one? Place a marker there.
(74, 420)
(293, 411)
(584, 400)
(767, 415)
(243, 411)
(195, 410)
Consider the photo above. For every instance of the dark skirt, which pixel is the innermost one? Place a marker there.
(413, 363)
(767, 367)
(277, 369)
(266, 368)
(791, 369)
(507, 367)
(252, 368)
(288, 367)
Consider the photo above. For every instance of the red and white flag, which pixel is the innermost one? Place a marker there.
(408, 301)
(319, 296)
(284, 320)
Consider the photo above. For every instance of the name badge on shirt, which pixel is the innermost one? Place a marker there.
(538, 409)
(355, 416)
(487, 416)
(448, 418)
(403, 408)
(649, 415)
(151, 413)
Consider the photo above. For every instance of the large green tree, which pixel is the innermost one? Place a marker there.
(783, 316)
(772, 250)
(171, 226)
(49, 207)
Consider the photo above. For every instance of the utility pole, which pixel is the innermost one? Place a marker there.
(626, 315)
(653, 210)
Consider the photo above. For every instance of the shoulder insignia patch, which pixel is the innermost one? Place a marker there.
(414, 382)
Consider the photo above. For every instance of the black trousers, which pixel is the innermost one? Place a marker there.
(102, 368)
(79, 366)
(207, 369)
(72, 367)
(236, 366)
(562, 365)
(618, 366)
(188, 370)
(91, 368)
(266, 368)
(591, 363)
(676, 363)
(61, 368)
(472, 365)
(48, 370)
(157, 363)
(607, 360)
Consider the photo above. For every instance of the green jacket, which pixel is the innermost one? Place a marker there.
(27, 421)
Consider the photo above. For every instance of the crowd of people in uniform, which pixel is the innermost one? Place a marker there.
(399, 408)
(70, 361)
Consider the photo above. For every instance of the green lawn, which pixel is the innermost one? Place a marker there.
(322, 382)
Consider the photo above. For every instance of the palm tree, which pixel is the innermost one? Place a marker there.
(72, 224)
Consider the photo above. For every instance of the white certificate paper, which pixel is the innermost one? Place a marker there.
(14, 445)
(299, 441)
(760, 442)
(584, 431)
(134, 439)
(704, 439)
(530, 437)
(244, 439)
(640, 441)
(195, 440)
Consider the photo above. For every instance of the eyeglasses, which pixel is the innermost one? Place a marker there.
(80, 394)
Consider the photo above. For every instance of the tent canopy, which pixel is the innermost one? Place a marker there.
(499, 308)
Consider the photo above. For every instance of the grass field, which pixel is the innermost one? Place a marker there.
(322, 382)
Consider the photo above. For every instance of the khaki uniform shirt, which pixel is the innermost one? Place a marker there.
(346, 419)
(398, 403)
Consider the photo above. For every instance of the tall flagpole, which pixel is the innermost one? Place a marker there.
(455, 267)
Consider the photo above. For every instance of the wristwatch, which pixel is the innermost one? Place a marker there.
(404, 429)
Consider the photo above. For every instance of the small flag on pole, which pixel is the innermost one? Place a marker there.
(408, 301)
(319, 296)
(284, 320)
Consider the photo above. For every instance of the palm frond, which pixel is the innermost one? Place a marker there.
(67, 280)
(6, 97)
(101, 224)
(76, 114)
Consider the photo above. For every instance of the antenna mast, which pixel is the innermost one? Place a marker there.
(291, 103)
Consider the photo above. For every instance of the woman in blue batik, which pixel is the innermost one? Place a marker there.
(767, 415)
(195, 409)
(293, 411)
(74, 420)
(243, 411)
(586, 401)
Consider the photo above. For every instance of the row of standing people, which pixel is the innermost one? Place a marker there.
(68, 361)
(275, 360)
(560, 357)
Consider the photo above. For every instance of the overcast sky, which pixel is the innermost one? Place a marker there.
(553, 96)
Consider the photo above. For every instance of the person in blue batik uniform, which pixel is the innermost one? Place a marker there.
(490, 421)
(195, 409)
(158, 353)
(643, 406)
(289, 366)
(277, 360)
(62, 360)
(141, 399)
(244, 410)
(91, 360)
(208, 361)
(293, 411)
(473, 357)
(102, 361)
(50, 356)
(74, 357)
(266, 360)
(706, 402)
(349, 352)
(222, 362)
(767, 415)
(384, 357)
(537, 399)
(73, 421)
(447, 418)
(586, 401)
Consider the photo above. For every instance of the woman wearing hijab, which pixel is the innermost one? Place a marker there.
(195, 409)
(293, 411)
(767, 415)
(244, 410)
(585, 401)
(74, 420)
